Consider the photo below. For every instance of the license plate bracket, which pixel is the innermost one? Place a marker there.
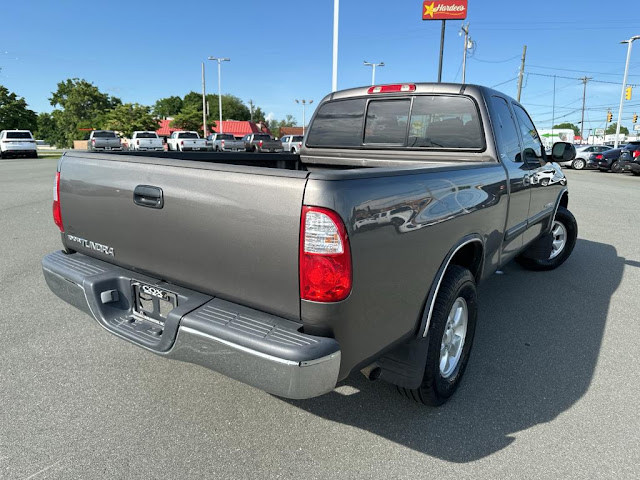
(152, 303)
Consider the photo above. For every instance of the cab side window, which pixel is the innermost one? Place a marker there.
(532, 148)
(505, 131)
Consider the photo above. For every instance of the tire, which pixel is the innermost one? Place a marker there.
(616, 167)
(293, 151)
(569, 229)
(578, 164)
(255, 149)
(457, 294)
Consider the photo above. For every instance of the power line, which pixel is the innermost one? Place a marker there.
(578, 71)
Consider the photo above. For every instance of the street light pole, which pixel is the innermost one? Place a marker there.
(624, 84)
(304, 104)
(220, 60)
(204, 106)
(373, 72)
(336, 15)
(465, 30)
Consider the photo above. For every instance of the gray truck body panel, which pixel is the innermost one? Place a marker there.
(229, 227)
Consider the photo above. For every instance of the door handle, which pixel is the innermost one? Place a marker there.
(148, 196)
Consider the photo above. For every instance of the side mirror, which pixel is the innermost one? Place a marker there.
(563, 152)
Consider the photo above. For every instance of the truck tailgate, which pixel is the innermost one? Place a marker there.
(228, 231)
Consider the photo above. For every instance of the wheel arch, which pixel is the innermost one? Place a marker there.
(467, 253)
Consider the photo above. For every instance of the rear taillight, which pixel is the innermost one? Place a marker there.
(299, 144)
(260, 143)
(57, 214)
(137, 142)
(636, 154)
(401, 87)
(93, 140)
(222, 143)
(325, 256)
(182, 142)
(598, 157)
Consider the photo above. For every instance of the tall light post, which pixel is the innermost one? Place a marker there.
(624, 84)
(220, 60)
(468, 43)
(334, 75)
(304, 104)
(373, 72)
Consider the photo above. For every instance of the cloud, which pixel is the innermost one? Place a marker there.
(270, 116)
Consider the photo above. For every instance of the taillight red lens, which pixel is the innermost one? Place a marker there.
(260, 143)
(325, 256)
(636, 154)
(137, 142)
(57, 214)
(222, 143)
(598, 157)
(182, 142)
(401, 87)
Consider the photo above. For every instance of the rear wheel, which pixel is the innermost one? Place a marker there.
(616, 167)
(565, 232)
(453, 324)
(578, 164)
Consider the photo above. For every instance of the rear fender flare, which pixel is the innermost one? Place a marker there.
(437, 281)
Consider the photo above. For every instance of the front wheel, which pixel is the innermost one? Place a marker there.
(565, 232)
(453, 324)
(578, 164)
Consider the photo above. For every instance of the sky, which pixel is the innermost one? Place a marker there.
(141, 51)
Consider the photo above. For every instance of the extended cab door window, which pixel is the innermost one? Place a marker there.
(532, 148)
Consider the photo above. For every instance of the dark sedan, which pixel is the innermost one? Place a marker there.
(611, 159)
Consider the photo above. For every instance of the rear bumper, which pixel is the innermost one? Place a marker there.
(254, 347)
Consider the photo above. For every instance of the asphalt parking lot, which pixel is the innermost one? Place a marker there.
(552, 389)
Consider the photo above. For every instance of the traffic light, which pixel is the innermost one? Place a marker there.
(627, 93)
(609, 116)
(635, 118)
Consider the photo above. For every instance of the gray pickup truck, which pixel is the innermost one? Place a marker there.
(103, 140)
(224, 142)
(290, 272)
(261, 142)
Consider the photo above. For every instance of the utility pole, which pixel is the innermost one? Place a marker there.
(220, 60)
(624, 84)
(373, 73)
(204, 105)
(251, 108)
(465, 30)
(521, 74)
(584, 79)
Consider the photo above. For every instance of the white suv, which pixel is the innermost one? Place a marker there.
(17, 143)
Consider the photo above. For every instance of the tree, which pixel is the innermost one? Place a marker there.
(190, 118)
(276, 125)
(611, 129)
(47, 129)
(14, 113)
(130, 117)
(83, 105)
(167, 107)
(567, 125)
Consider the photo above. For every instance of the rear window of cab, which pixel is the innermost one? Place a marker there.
(433, 122)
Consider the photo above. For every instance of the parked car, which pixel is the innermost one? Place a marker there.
(182, 141)
(103, 140)
(17, 143)
(261, 142)
(292, 143)
(146, 140)
(630, 154)
(224, 142)
(582, 156)
(611, 159)
(262, 270)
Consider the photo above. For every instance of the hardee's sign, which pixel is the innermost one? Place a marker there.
(444, 10)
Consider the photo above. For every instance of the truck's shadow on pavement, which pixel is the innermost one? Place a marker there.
(535, 351)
